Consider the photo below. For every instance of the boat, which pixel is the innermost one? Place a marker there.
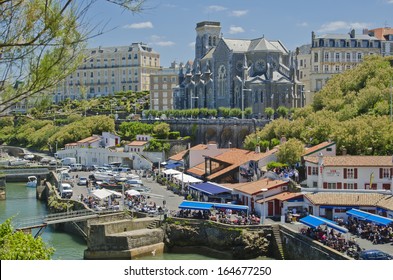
(31, 182)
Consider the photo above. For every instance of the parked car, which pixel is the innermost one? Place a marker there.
(374, 255)
(82, 181)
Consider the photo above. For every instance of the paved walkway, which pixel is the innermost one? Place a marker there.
(363, 243)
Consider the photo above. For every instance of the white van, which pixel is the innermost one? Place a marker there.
(76, 167)
(65, 190)
(135, 182)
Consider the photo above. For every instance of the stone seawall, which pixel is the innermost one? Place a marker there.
(300, 247)
(240, 242)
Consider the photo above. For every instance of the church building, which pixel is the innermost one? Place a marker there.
(238, 73)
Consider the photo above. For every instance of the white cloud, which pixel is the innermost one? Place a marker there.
(390, 1)
(235, 29)
(239, 13)
(215, 8)
(165, 43)
(342, 25)
(139, 25)
(160, 41)
(302, 24)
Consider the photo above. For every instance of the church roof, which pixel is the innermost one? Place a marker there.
(259, 44)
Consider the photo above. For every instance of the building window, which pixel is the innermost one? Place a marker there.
(337, 57)
(348, 57)
(385, 172)
(222, 75)
(326, 68)
(350, 173)
(331, 185)
(326, 56)
(314, 171)
(350, 186)
(337, 68)
(315, 57)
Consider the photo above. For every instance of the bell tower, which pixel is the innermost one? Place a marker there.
(207, 37)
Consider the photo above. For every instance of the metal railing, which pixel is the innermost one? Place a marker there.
(56, 218)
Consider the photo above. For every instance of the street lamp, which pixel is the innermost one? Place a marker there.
(244, 90)
(193, 97)
(262, 220)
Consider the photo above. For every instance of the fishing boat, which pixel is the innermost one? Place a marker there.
(31, 182)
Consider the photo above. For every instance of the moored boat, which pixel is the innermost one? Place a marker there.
(31, 182)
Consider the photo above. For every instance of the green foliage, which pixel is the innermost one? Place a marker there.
(274, 164)
(16, 245)
(174, 135)
(129, 130)
(269, 111)
(282, 111)
(290, 152)
(352, 109)
(161, 130)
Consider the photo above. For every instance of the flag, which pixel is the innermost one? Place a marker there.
(371, 179)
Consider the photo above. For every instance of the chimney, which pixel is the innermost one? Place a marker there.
(352, 33)
(344, 151)
(257, 149)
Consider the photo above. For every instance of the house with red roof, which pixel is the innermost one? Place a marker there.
(346, 173)
(233, 166)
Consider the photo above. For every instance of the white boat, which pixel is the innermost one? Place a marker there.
(102, 176)
(31, 182)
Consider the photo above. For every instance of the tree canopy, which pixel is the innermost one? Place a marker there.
(42, 42)
(352, 109)
(16, 245)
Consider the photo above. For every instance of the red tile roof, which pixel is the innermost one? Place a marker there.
(137, 143)
(255, 187)
(281, 196)
(178, 156)
(318, 147)
(234, 157)
(366, 161)
(199, 147)
(90, 139)
(349, 199)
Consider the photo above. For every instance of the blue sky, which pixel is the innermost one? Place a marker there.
(169, 25)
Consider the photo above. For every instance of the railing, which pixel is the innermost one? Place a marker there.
(58, 218)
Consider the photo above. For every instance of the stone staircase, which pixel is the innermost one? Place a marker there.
(278, 242)
(154, 224)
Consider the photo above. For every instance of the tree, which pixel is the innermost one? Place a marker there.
(282, 111)
(290, 152)
(269, 111)
(42, 42)
(16, 245)
(161, 130)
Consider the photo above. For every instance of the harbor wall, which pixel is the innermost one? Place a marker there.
(300, 247)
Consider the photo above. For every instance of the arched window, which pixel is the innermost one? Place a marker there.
(222, 75)
(214, 41)
(210, 40)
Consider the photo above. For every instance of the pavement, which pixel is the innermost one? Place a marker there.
(157, 194)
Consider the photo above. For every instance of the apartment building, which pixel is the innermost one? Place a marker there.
(162, 84)
(334, 53)
(107, 70)
(385, 34)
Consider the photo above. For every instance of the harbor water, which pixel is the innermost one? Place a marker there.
(21, 203)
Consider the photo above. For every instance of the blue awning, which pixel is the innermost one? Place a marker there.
(173, 165)
(314, 222)
(210, 188)
(369, 217)
(195, 205)
(198, 205)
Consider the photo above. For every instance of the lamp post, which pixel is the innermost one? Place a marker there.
(263, 207)
(193, 97)
(244, 90)
(182, 176)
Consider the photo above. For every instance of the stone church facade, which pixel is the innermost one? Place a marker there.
(237, 73)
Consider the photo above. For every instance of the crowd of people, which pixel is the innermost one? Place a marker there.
(331, 238)
(225, 216)
(377, 234)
